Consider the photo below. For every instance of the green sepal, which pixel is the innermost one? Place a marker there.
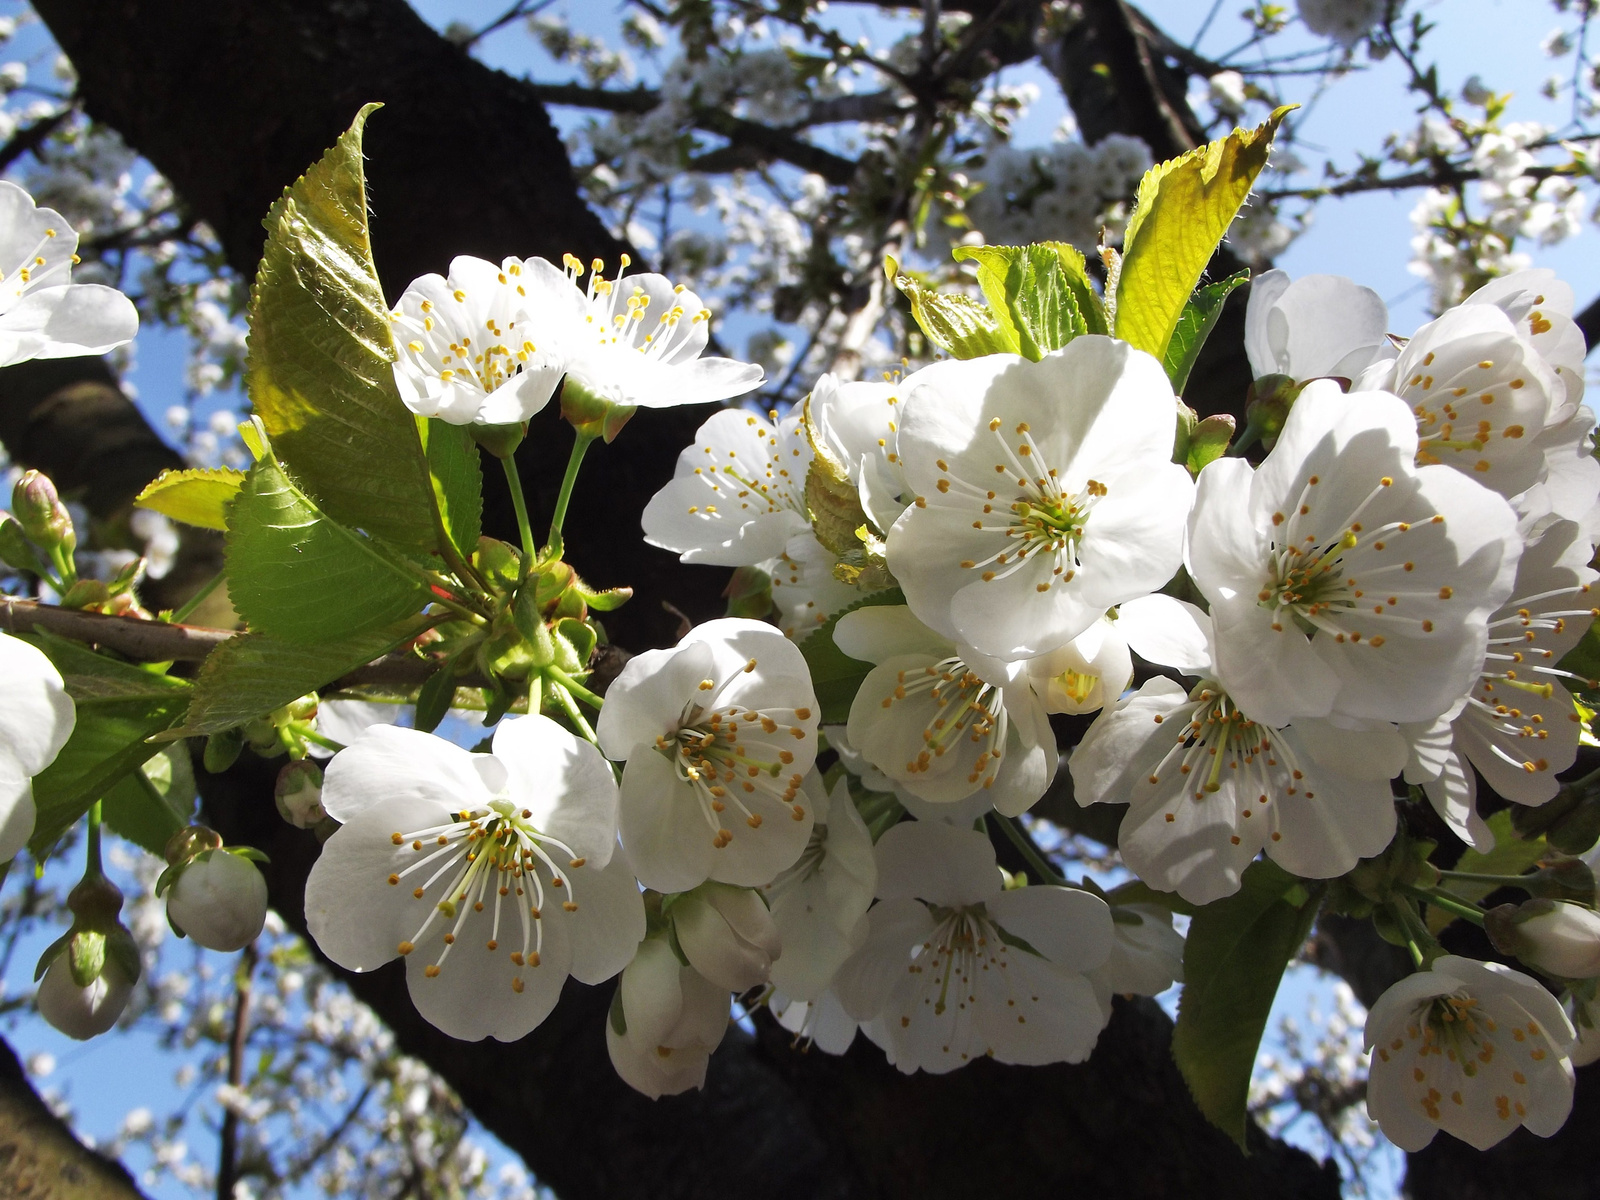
(222, 750)
(1198, 319)
(17, 552)
(1234, 957)
(1208, 441)
(51, 952)
(1183, 209)
(87, 956)
(581, 640)
(749, 593)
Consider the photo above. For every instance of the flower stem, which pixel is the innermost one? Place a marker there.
(580, 447)
(1450, 904)
(564, 699)
(524, 527)
(582, 693)
(1516, 881)
(186, 611)
(1024, 844)
(327, 743)
(92, 868)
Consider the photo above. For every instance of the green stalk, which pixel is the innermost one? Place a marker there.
(1450, 904)
(577, 689)
(524, 527)
(327, 743)
(573, 715)
(1025, 845)
(580, 447)
(196, 600)
(92, 868)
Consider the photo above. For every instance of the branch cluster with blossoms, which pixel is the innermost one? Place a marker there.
(1305, 648)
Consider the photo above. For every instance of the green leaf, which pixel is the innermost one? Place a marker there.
(193, 497)
(297, 574)
(253, 674)
(433, 700)
(155, 801)
(954, 322)
(1194, 326)
(834, 674)
(1208, 441)
(1512, 855)
(1040, 293)
(319, 370)
(456, 474)
(1233, 959)
(1184, 208)
(1584, 660)
(107, 743)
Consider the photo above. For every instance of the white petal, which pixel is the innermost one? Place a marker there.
(647, 698)
(563, 782)
(609, 922)
(1069, 927)
(936, 862)
(387, 764)
(1171, 633)
(36, 714)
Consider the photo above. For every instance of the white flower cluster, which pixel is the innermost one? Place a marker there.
(1065, 192)
(1387, 594)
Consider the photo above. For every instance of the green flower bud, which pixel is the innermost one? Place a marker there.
(38, 509)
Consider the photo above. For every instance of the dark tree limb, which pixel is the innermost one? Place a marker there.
(40, 1157)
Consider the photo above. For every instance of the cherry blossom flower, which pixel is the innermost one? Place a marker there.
(1540, 306)
(718, 735)
(43, 314)
(83, 1012)
(1045, 493)
(1557, 937)
(1481, 395)
(1570, 487)
(638, 340)
(474, 348)
(1342, 578)
(822, 1022)
(1084, 675)
(1517, 726)
(671, 1018)
(1473, 1048)
(942, 977)
(1313, 327)
(738, 494)
(819, 904)
(1209, 786)
(36, 718)
(857, 425)
(494, 875)
(942, 722)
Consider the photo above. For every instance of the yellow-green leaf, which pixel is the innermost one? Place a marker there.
(954, 322)
(193, 497)
(1184, 208)
(319, 371)
(1040, 293)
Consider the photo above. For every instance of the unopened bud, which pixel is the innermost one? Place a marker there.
(220, 900)
(299, 794)
(89, 973)
(1267, 406)
(727, 934)
(83, 1011)
(1555, 936)
(38, 509)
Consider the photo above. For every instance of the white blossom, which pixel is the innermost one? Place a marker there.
(944, 723)
(1518, 726)
(1473, 1048)
(494, 875)
(718, 735)
(1342, 578)
(43, 314)
(83, 1012)
(727, 934)
(1209, 785)
(1045, 494)
(1314, 326)
(36, 718)
(819, 904)
(941, 980)
(1343, 21)
(805, 591)
(1146, 955)
(473, 348)
(737, 495)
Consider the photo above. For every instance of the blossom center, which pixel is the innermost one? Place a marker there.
(489, 855)
(963, 943)
(964, 706)
(35, 268)
(618, 318)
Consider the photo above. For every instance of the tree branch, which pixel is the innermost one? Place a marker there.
(41, 1157)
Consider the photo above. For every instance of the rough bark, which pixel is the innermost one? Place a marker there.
(40, 1159)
